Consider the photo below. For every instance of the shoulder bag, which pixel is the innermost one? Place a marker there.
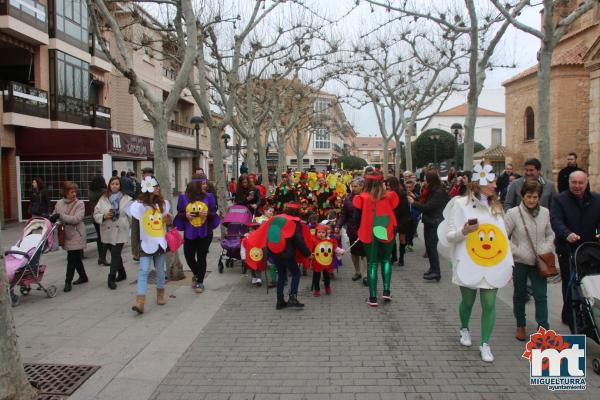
(545, 263)
(61, 227)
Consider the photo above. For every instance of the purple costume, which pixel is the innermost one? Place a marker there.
(198, 228)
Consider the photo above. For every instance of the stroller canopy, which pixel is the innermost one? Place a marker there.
(238, 214)
(587, 259)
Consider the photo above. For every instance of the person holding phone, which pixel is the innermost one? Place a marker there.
(431, 205)
(114, 227)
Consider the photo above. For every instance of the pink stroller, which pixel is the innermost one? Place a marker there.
(236, 221)
(22, 261)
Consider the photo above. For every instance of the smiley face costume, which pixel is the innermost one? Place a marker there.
(481, 260)
(376, 232)
(323, 260)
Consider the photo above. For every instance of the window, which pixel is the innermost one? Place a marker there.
(529, 124)
(321, 105)
(322, 138)
(53, 173)
(70, 87)
(72, 21)
(376, 156)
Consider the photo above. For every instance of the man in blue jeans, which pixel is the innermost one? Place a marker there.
(575, 219)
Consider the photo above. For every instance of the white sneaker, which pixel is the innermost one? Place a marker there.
(486, 353)
(254, 281)
(465, 337)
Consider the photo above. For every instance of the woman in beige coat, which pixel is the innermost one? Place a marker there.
(71, 211)
(537, 221)
(110, 214)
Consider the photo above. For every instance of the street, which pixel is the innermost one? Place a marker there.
(231, 343)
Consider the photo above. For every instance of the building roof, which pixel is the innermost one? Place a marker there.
(573, 56)
(461, 111)
(372, 142)
(497, 152)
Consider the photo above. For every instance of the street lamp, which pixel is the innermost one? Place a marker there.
(226, 138)
(196, 121)
(457, 130)
(435, 139)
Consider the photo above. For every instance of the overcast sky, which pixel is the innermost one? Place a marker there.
(516, 47)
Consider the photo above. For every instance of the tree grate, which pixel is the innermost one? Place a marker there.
(57, 380)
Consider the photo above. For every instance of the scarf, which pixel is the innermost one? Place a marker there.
(115, 199)
(533, 211)
(424, 194)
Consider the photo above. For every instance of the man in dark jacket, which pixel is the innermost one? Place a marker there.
(533, 167)
(575, 219)
(563, 174)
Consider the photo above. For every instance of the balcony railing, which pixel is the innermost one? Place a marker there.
(338, 148)
(100, 116)
(186, 130)
(70, 109)
(31, 12)
(24, 99)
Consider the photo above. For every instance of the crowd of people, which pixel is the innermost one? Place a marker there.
(310, 219)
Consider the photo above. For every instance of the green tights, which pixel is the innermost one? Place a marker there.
(379, 253)
(488, 307)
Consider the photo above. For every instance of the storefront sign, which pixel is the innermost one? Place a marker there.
(123, 144)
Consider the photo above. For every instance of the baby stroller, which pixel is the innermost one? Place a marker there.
(236, 222)
(585, 292)
(22, 261)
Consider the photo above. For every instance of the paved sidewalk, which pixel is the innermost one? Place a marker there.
(93, 325)
(338, 348)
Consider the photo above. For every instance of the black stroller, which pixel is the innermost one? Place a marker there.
(584, 288)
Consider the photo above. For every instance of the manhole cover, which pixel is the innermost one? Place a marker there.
(58, 379)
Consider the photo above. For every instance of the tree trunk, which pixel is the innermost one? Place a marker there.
(408, 147)
(13, 380)
(281, 153)
(398, 160)
(471, 120)
(543, 130)
(262, 161)
(217, 156)
(385, 168)
(299, 154)
(250, 156)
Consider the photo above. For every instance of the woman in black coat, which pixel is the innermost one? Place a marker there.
(347, 219)
(403, 218)
(39, 205)
(431, 204)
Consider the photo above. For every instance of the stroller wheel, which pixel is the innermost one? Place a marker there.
(24, 290)
(14, 299)
(229, 263)
(596, 365)
(221, 267)
(51, 291)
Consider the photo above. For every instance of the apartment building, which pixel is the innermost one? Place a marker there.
(65, 112)
(331, 135)
(371, 150)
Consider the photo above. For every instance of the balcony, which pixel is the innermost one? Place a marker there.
(338, 149)
(100, 116)
(186, 130)
(24, 99)
(72, 110)
(95, 48)
(27, 20)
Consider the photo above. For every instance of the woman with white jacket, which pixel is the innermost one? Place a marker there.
(114, 227)
(537, 221)
(474, 238)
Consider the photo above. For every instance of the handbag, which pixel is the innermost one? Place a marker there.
(61, 228)
(174, 239)
(545, 263)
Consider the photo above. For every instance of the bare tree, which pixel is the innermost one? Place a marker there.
(484, 28)
(549, 35)
(129, 35)
(408, 70)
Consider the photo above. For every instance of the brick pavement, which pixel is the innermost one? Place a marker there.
(338, 348)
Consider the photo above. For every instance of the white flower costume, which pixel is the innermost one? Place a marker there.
(483, 258)
(152, 228)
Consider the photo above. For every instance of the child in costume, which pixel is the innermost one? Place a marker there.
(322, 261)
(269, 211)
(375, 211)
(152, 212)
(473, 236)
(256, 280)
